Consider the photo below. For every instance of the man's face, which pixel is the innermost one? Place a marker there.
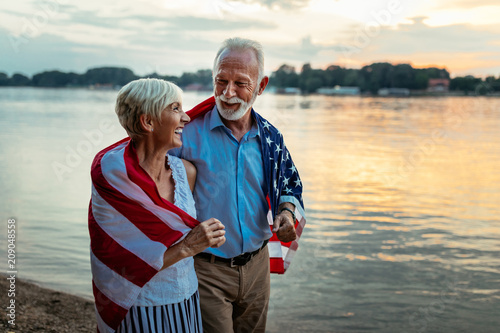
(236, 83)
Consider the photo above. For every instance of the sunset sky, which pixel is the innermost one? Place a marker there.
(171, 37)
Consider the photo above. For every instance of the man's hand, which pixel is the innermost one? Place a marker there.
(284, 227)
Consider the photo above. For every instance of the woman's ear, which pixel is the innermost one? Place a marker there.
(146, 123)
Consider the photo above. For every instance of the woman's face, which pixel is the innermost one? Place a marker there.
(168, 131)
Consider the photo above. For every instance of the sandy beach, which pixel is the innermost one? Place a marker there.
(43, 310)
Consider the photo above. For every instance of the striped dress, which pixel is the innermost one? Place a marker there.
(184, 316)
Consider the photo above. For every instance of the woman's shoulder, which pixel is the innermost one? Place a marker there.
(190, 173)
(189, 167)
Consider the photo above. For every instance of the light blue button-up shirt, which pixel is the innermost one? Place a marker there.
(230, 183)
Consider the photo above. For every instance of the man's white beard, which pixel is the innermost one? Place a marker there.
(230, 114)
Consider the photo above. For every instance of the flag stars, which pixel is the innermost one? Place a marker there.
(269, 141)
(298, 183)
(278, 149)
(293, 169)
(266, 125)
(285, 181)
(287, 190)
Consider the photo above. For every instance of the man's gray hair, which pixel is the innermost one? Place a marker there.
(242, 44)
(144, 96)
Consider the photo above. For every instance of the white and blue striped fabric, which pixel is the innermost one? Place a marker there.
(170, 318)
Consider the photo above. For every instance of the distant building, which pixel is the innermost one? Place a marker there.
(288, 91)
(196, 87)
(438, 85)
(103, 86)
(338, 90)
(394, 92)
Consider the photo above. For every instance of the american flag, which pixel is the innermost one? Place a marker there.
(282, 178)
(131, 226)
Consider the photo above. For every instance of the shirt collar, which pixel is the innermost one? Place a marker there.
(215, 121)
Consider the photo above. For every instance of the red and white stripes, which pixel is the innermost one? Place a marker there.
(130, 227)
(280, 253)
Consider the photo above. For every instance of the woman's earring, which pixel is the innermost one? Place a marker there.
(151, 129)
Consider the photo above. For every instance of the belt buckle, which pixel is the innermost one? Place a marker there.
(231, 263)
(241, 260)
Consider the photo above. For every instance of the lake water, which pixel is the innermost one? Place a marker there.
(402, 197)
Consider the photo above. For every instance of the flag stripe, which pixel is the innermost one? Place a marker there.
(118, 289)
(116, 257)
(276, 265)
(141, 178)
(111, 313)
(101, 325)
(116, 175)
(142, 218)
(201, 108)
(274, 249)
(125, 233)
(130, 231)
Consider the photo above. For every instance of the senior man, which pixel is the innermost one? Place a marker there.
(244, 172)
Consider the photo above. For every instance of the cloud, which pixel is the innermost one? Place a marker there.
(45, 52)
(171, 37)
(183, 23)
(96, 18)
(305, 50)
(279, 4)
(417, 37)
(456, 47)
(166, 54)
(465, 4)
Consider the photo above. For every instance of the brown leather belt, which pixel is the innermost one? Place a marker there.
(240, 260)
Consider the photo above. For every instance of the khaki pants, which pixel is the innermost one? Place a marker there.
(234, 299)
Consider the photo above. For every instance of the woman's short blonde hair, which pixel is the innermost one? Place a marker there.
(144, 96)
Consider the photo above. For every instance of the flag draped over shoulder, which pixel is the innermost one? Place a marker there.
(131, 226)
(283, 183)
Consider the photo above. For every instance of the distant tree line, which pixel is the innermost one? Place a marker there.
(375, 76)
(369, 78)
(114, 76)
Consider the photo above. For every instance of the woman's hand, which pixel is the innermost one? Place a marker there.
(209, 233)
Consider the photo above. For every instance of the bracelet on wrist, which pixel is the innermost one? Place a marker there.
(288, 210)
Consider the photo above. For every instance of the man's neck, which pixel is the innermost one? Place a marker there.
(241, 126)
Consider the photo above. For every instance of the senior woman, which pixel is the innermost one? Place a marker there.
(142, 222)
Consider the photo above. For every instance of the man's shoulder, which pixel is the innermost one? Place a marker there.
(202, 121)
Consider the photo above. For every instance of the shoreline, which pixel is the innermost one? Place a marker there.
(414, 93)
(39, 309)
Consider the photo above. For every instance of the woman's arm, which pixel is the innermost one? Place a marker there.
(191, 173)
(208, 233)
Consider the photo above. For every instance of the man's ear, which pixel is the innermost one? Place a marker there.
(263, 84)
(146, 122)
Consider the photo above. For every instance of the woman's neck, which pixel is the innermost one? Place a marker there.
(151, 158)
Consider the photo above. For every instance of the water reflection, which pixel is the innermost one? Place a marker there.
(400, 191)
(402, 196)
